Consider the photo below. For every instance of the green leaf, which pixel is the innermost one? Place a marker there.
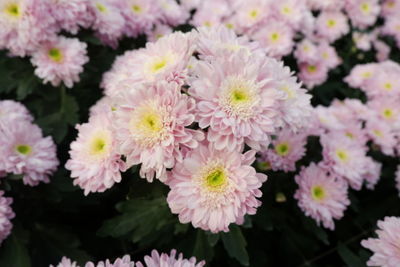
(202, 249)
(13, 253)
(349, 257)
(69, 109)
(212, 239)
(26, 86)
(235, 245)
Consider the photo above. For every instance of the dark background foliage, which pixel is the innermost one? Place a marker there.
(56, 219)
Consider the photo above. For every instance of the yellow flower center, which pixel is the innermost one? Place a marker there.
(350, 135)
(286, 10)
(229, 25)
(342, 155)
(55, 54)
(282, 149)
(365, 8)
(378, 133)
(13, 10)
(263, 165)
(275, 37)
(311, 68)
(388, 86)
(23, 149)
(137, 9)
(331, 23)
(158, 64)
(215, 179)
(388, 113)
(101, 7)
(366, 74)
(254, 13)
(318, 193)
(99, 144)
(207, 24)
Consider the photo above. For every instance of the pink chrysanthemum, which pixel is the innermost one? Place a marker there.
(276, 37)
(287, 149)
(214, 188)
(249, 13)
(95, 164)
(313, 74)
(108, 21)
(159, 30)
(345, 158)
(24, 24)
(321, 196)
(70, 15)
(157, 260)
(387, 109)
(239, 105)
(289, 11)
(381, 134)
(150, 124)
(25, 151)
(372, 173)
(361, 75)
(59, 61)
(306, 51)
(362, 40)
(125, 261)
(329, 55)
(11, 111)
(332, 25)
(6, 214)
(65, 262)
(362, 13)
(172, 13)
(386, 247)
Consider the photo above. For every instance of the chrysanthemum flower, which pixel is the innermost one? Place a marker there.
(321, 196)
(372, 173)
(289, 11)
(387, 110)
(172, 13)
(361, 75)
(239, 105)
(156, 259)
(276, 37)
(24, 24)
(125, 261)
(329, 55)
(6, 214)
(210, 14)
(386, 246)
(159, 30)
(381, 134)
(214, 188)
(11, 111)
(60, 60)
(313, 74)
(249, 13)
(95, 164)
(287, 149)
(362, 13)
(362, 40)
(306, 51)
(332, 25)
(70, 15)
(345, 158)
(108, 21)
(150, 124)
(382, 50)
(25, 151)
(65, 262)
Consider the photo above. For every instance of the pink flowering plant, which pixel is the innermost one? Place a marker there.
(191, 133)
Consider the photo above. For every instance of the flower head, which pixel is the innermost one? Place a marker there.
(163, 259)
(6, 214)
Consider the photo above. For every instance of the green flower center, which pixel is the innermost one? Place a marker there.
(24, 149)
(318, 193)
(282, 149)
(55, 54)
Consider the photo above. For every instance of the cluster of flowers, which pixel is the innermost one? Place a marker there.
(32, 27)
(278, 25)
(155, 260)
(184, 109)
(24, 151)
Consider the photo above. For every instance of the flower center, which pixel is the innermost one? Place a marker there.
(137, 9)
(365, 8)
(331, 23)
(318, 193)
(99, 143)
(254, 13)
(282, 149)
(342, 155)
(388, 113)
(55, 55)
(275, 37)
(238, 96)
(13, 9)
(367, 74)
(214, 178)
(311, 68)
(350, 135)
(23, 149)
(286, 10)
(148, 124)
(378, 133)
(101, 7)
(158, 64)
(388, 86)
(290, 93)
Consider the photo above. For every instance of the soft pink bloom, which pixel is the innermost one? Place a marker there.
(108, 22)
(362, 40)
(24, 24)
(321, 195)
(214, 188)
(361, 75)
(159, 30)
(6, 214)
(95, 164)
(172, 13)
(332, 25)
(386, 246)
(211, 13)
(387, 109)
(150, 124)
(345, 158)
(287, 149)
(125, 261)
(313, 74)
(329, 56)
(106, 105)
(276, 37)
(382, 135)
(291, 12)
(362, 13)
(11, 111)
(306, 51)
(25, 151)
(70, 15)
(240, 105)
(249, 13)
(60, 60)
(325, 5)
(392, 27)
(157, 260)
(373, 173)
(65, 262)
(382, 50)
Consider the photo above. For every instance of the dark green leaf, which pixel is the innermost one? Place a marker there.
(235, 244)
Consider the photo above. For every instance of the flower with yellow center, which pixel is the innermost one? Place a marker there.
(12, 9)
(149, 123)
(99, 144)
(158, 64)
(311, 68)
(137, 9)
(100, 7)
(318, 193)
(331, 23)
(55, 55)
(238, 97)
(342, 155)
(24, 149)
(366, 74)
(289, 91)
(286, 10)
(387, 113)
(254, 13)
(377, 133)
(388, 86)
(215, 179)
(365, 8)
(274, 37)
(282, 149)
